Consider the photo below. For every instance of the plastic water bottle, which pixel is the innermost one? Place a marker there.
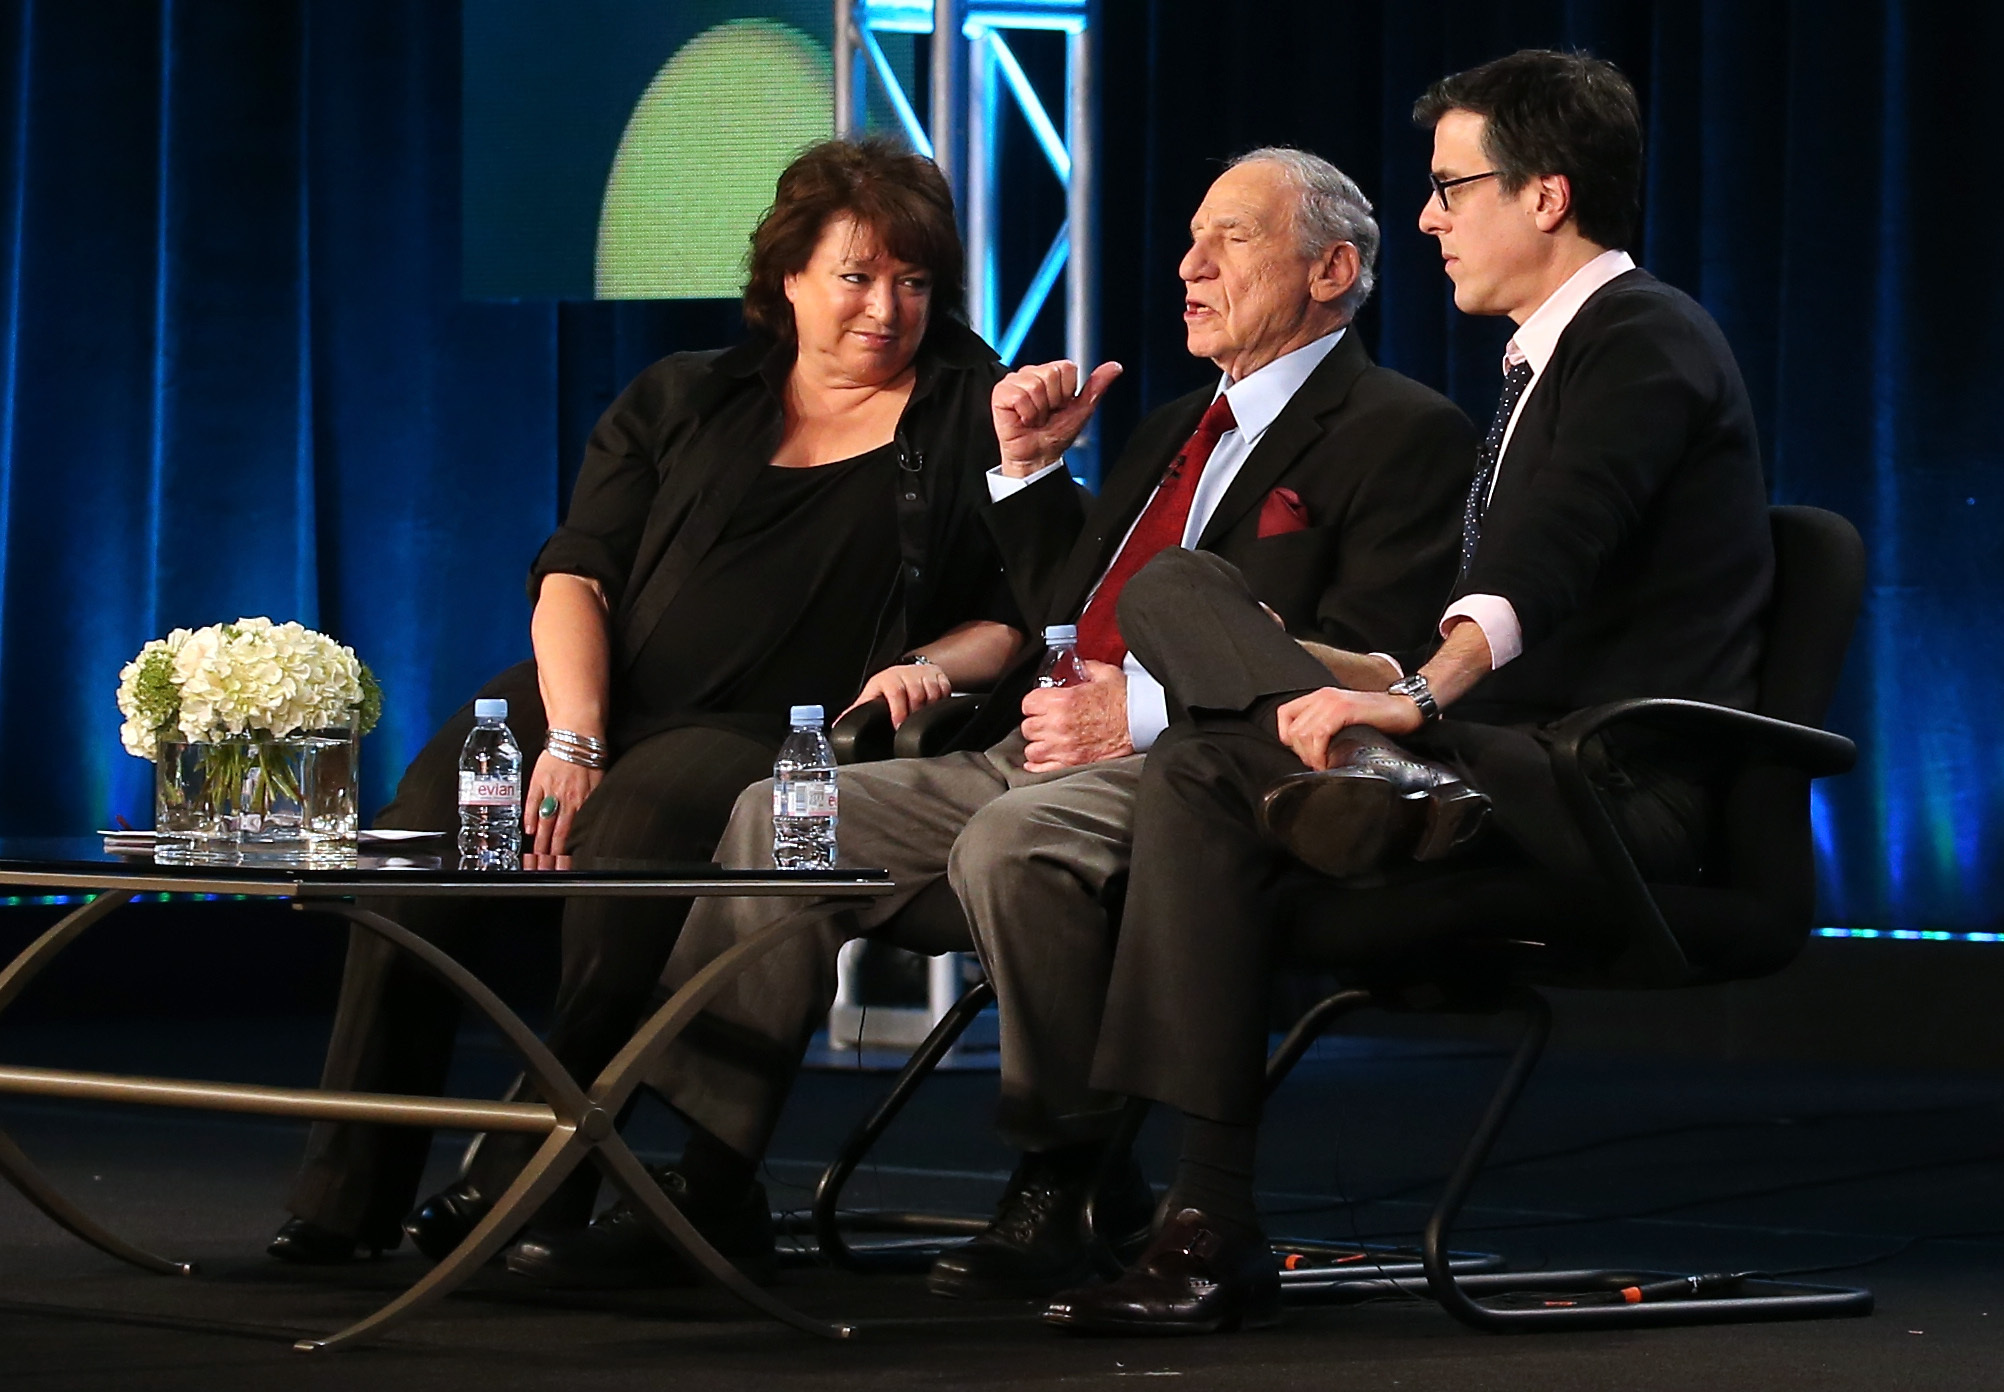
(490, 792)
(1061, 658)
(803, 796)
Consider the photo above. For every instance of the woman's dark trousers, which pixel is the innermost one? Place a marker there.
(665, 799)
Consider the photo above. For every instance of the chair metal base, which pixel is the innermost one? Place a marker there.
(832, 1243)
(1506, 1302)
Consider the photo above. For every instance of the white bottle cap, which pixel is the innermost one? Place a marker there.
(490, 708)
(806, 715)
(1060, 634)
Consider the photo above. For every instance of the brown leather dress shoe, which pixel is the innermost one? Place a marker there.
(1375, 805)
(1197, 1277)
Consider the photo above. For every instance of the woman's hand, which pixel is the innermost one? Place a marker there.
(570, 784)
(904, 688)
(1307, 723)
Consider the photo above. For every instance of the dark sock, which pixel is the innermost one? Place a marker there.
(1215, 1172)
(718, 1176)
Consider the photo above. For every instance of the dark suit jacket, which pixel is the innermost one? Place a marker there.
(1628, 527)
(1381, 464)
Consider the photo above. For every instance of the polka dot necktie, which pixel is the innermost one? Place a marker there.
(1516, 378)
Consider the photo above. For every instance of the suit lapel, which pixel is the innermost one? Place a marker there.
(1120, 501)
(1294, 430)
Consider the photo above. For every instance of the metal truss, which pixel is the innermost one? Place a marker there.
(973, 72)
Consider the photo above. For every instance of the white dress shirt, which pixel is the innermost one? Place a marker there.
(1256, 401)
(1534, 343)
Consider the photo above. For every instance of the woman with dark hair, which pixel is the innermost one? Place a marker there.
(795, 520)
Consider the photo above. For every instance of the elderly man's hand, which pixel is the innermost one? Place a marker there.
(1069, 726)
(1039, 411)
(1308, 723)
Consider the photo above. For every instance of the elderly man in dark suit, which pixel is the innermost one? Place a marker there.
(1615, 544)
(1333, 484)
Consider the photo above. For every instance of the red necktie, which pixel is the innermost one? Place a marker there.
(1162, 523)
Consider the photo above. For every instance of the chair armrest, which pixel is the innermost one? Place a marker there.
(1817, 753)
(931, 728)
(863, 735)
(1652, 955)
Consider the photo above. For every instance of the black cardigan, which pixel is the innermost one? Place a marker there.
(672, 458)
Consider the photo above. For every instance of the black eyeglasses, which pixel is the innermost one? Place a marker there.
(1441, 186)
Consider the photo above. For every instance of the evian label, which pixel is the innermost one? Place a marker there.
(475, 791)
(804, 799)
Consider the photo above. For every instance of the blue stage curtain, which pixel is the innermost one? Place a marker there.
(239, 378)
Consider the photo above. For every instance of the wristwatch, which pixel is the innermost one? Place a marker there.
(1415, 689)
(920, 660)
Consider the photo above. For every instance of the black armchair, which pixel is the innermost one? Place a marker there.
(1412, 947)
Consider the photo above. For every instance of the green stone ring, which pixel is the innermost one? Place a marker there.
(549, 807)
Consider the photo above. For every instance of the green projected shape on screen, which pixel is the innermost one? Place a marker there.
(699, 156)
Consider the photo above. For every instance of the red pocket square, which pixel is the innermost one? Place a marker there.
(1281, 513)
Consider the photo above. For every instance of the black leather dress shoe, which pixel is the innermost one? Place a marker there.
(442, 1221)
(1377, 805)
(1036, 1243)
(1197, 1277)
(621, 1248)
(308, 1244)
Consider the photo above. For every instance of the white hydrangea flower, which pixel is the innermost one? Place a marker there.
(252, 677)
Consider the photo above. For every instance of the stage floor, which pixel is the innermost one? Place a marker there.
(1682, 1165)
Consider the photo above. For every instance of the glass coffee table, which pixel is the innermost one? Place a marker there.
(575, 1118)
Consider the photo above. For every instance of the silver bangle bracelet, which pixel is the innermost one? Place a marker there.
(574, 748)
(571, 755)
(585, 742)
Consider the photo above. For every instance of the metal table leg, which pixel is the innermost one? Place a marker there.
(584, 1129)
(578, 1124)
(553, 1161)
(15, 1167)
(616, 1084)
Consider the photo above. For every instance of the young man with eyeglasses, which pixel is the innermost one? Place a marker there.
(1615, 544)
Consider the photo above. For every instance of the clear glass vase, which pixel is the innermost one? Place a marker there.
(288, 800)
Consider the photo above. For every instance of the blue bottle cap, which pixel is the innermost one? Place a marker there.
(1059, 635)
(490, 708)
(806, 715)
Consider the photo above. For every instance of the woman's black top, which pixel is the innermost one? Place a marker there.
(788, 606)
(738, 589)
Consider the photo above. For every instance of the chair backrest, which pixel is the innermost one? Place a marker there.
(1758, 913)
(1819, 581)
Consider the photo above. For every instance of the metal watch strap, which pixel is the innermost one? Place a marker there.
(1416, 690)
